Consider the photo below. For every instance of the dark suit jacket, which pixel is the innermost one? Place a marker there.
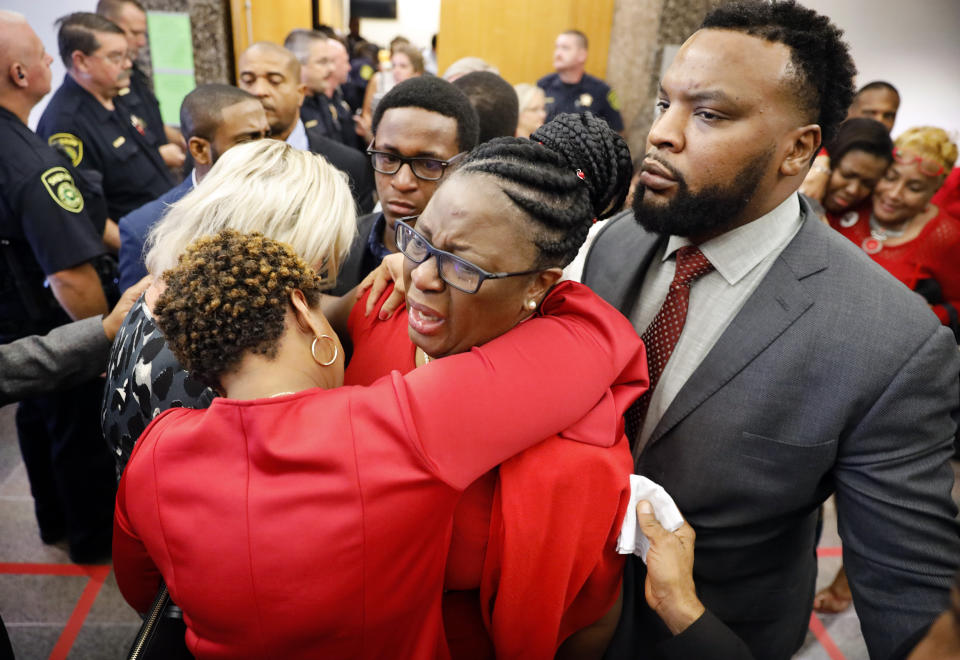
(360, 261)
(66, 356)
(833, 377)
(349, 160)
(136, 225)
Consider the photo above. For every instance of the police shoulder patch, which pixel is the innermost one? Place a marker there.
(366, 71)
(59, 183)
(70, 144)
(613, 100)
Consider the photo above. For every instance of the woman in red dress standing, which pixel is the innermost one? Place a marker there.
(912, 238)
(532, 560)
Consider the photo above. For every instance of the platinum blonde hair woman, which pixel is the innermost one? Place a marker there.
(265, 186)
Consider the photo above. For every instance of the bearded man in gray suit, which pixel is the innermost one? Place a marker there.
(785, 365)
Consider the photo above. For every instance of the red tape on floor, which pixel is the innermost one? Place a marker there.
(98, 574)
(49, 569)
(820, 632)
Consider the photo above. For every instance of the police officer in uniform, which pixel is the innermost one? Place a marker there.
(139, 99)
(101, 137)
(571, 89)
(47, 248)
(271, 73)
(316, 66)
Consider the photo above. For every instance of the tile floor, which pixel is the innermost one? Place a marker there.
(57, 610)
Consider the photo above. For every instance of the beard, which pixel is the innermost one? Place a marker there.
(709, 211)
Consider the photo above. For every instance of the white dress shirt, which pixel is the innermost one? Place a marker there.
(741, 258)
(298, 138)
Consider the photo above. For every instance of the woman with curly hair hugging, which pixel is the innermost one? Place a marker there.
(295, 518)
(266, 186)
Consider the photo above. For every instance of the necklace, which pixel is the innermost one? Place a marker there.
(426, 358)
(883, 233)
(879, 234)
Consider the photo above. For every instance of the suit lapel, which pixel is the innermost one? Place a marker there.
(778, 301)
(618, 279)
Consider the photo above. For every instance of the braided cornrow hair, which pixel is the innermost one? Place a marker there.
(571, 172)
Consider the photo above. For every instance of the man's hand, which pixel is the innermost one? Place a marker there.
(173, 156)
(113, 320)
(389, 270)
(669, 587)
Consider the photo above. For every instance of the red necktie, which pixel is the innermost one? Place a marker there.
(662, 334)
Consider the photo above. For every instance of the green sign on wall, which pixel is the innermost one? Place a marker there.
(171, 54)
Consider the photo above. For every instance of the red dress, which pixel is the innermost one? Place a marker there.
(532, 558)
(317, 524)
(933, 254)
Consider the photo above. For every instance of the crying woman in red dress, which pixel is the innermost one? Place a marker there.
(532, 570)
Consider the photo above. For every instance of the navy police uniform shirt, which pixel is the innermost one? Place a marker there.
(590, 94)
(143, 107)
(107, 145)
(44, 229)
(332, 116)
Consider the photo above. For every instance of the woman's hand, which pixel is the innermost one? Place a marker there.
(814, 184)
(389, 270)
(669, 587)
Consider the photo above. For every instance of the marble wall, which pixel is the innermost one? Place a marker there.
(642, 31)
(212, 44)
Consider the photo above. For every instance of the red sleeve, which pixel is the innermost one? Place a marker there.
(948, 197)
(137, 575)
(379, 347)
(942, 262)
(551, 567)
(472, 411)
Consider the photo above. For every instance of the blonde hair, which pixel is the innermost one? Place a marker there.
(526, 93)
(265, 186)
(930, 142)
(466, 65)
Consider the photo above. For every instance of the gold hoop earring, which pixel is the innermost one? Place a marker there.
(313, 351)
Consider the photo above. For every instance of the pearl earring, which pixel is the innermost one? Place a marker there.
(531, 304)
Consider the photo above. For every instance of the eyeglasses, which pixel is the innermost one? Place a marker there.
(458, 273)
(114, 58)
(928, 166)
(427, 169)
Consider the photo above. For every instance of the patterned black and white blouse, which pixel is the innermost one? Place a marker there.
(143, 380)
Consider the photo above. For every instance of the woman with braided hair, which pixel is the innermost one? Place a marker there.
(532, 559)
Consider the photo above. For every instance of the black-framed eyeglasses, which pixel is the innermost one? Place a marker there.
(427, 169)
(458, 273)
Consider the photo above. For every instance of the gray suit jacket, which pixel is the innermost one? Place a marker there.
(66, 356)
(833, 377)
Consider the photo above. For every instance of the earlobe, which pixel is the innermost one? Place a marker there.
(200, 151)
(804, 146)
(541, 285)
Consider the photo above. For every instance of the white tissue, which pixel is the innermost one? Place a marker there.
(631, 539)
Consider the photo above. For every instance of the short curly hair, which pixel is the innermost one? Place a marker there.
(227, 296)
(823, 68)
(435, 95)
